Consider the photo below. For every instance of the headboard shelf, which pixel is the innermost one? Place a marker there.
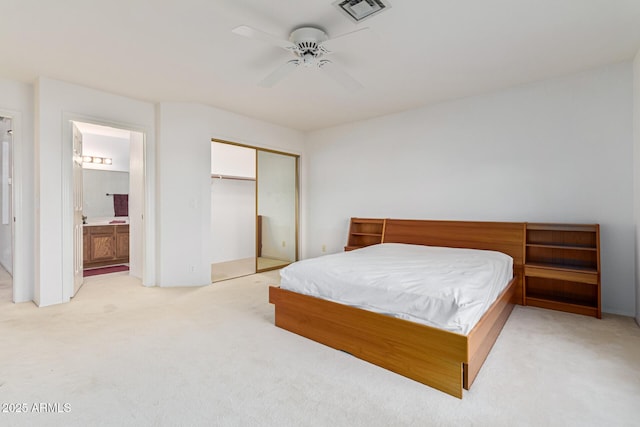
(556, 264)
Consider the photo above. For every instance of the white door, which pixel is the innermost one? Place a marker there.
(77, 210)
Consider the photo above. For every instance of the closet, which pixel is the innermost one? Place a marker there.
(254, 209)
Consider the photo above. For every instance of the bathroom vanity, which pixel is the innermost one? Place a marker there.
(105, 245)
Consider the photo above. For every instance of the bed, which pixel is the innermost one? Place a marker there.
(448, 360)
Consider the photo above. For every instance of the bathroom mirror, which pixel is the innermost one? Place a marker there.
(98, 188)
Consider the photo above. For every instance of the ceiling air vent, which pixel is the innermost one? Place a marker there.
(359, 10)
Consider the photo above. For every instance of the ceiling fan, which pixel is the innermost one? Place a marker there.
(309, 45)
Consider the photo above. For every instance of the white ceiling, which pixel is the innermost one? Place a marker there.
(93, 129)
(418, 52)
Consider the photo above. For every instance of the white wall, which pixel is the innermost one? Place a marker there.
(636, 178)
(233, 219)
(56, 104)
(233, 203)
(233, 160)
(556, 151)
(16, 101)
(184, 170)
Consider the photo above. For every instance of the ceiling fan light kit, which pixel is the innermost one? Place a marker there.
(309, 45)
(308, 42)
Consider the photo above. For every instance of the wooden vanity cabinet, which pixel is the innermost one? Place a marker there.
(122, 242)
(105, 245)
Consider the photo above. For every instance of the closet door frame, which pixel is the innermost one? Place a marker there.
(296, 196)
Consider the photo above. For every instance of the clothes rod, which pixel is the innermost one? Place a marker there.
(111, 194)
(239, 178)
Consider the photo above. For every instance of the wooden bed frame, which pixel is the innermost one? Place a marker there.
(441, 359)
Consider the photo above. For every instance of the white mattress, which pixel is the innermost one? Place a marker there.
(446, 288)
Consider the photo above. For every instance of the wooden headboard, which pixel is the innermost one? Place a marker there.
(506, 237)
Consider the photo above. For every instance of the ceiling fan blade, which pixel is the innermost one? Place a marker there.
(336, 42)
(252, 33)
(280, 73)
(339, 75)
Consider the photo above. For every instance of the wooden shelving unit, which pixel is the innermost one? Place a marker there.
(365, 232)
(562, 267)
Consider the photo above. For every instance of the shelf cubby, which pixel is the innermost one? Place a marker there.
(562, 267)
(365, 232)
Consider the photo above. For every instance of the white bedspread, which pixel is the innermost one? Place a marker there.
(446, 288)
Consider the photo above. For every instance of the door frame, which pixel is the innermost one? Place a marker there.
(78, 203)
(19, 292)
(148, 230)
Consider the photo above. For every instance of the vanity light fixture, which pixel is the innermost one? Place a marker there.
(97, 160)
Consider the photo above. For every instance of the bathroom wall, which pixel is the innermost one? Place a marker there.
(117, 149)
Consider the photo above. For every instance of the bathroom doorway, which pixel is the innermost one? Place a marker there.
(109, 193)
(6, 208)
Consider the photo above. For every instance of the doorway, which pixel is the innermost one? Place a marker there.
(6, 208)
(108, 198)
(254, 209)
(233, 207)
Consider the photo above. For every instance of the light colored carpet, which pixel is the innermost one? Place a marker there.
(123, 355)
(242, 267)
(232, 269)
(271, 263)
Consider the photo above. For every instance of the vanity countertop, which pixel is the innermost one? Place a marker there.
(106, 221)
